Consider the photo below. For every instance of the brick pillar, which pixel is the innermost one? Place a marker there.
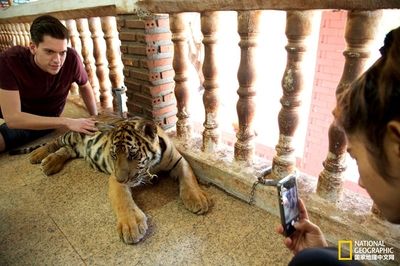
(147, 53)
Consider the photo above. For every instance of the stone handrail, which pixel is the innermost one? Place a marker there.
(66, 9)
(78, 9)
(169, 6)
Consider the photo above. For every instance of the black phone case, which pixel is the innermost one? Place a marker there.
(288, 229)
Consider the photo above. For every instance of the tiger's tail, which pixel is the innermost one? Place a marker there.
(19, 151)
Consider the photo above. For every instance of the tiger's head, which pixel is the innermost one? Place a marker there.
(135, 149)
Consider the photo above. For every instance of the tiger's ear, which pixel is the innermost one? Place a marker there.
(150, 129)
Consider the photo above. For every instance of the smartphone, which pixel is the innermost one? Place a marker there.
(288, 203)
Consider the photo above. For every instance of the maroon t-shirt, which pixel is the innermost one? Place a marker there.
(41, 93)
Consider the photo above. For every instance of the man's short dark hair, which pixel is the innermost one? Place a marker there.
(48, 25)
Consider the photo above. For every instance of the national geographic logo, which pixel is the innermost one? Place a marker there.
(370, 250)
(344, 245)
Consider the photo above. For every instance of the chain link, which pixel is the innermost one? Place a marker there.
(263, 181)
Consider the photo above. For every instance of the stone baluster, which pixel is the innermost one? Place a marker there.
(101, 62)
(3, 38)
(248, 29)
(12, 41)
(6, 39)
(11, 30)
(209, 28)
(109, 26)
(74, 36)
(7, 36)
(87, 54)
(75, 42)
(19, 34)
(179, 29)
(25, 32)
(298, 28)
(360, 30)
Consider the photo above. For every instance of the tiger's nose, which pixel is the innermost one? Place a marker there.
(122, 176)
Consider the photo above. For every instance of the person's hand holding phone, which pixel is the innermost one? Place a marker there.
(306, 235)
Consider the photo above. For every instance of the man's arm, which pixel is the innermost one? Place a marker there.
(87, 95)
(11, 108)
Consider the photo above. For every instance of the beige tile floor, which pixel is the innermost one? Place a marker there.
(66, 219)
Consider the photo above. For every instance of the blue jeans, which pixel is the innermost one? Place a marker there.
(14, 138)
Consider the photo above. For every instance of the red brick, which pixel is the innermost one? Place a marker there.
(170, 120)
(135, 23)
(134, 108)
(163, 110)
(151, 49)
(161, 89)
(166, 48)
(163, 22)
(127, 36)
(154, 76)
(167, 74)
(150, 24)
(137, 49)
(126, 73)
(139, 74)
(127, 61)
(120, 21)
(158, 37)
(133, 86)
(159, 62)
(141, 37)
(169, 97)
(124, 49)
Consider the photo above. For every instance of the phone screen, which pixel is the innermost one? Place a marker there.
(288, 203)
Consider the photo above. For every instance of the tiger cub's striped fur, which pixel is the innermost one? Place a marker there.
(132, 151)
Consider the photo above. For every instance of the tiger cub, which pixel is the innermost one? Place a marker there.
(132, 151)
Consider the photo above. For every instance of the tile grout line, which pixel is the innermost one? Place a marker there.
(66, 238)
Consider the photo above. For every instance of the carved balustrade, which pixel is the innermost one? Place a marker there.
(298, 27)
(180, 30)
(210, 28)
(248, 28)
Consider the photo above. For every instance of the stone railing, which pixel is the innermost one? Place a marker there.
(94, 33)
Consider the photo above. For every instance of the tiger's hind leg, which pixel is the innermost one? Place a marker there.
(131, 221)
(40, 153)
(54, 162)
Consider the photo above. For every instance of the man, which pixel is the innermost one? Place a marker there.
(34, 85)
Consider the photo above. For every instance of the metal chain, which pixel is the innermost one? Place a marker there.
(252, 192)
(263, 181)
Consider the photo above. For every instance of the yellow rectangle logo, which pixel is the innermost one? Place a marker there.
(344, 243)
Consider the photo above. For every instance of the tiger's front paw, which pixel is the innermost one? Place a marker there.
(52, 164)
(132, 226)
(38, 155)
(196, 200)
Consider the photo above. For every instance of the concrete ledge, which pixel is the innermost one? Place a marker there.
(169, 6)
(70, 9)
(349, 219)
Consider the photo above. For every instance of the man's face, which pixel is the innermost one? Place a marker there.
(385, 195)
(50, 54)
